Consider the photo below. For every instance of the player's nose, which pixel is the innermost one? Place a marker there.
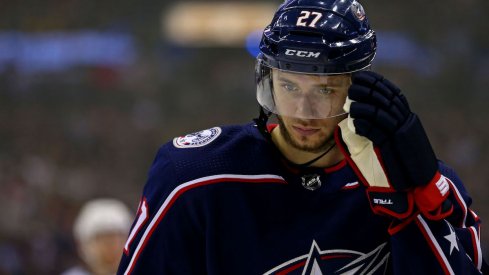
(305, 107)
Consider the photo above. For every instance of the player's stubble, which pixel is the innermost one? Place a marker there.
(316, 144)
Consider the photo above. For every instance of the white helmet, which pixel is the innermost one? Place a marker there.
(102, 216)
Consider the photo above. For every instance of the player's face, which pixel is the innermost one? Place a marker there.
(103, 252)
(309, 96)
(306, 134)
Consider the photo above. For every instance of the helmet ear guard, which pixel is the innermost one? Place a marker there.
(264, 86)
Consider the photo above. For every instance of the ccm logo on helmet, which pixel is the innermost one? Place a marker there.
(302, 53)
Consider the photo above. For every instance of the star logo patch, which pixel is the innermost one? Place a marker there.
(452, 238)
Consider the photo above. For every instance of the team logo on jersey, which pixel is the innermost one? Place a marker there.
(337, 261)
(197, 139)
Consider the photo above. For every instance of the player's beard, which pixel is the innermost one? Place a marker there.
(317, 147)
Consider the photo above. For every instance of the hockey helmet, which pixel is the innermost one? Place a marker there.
(313, 37)
(100, 216)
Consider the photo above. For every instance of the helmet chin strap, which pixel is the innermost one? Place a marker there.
(261, 123)
(307, 164)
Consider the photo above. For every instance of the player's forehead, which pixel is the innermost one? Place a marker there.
(311, 79)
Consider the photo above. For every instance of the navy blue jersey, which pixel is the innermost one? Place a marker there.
(224, 201)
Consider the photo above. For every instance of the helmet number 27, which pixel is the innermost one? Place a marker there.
(305, 15)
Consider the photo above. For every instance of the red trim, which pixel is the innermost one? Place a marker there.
(271, 126)
(382, 189)
(326, 257)
(354, 186)
(192, 186)
(394, 229)
(460, 201)
(335, 167)
(437, 214)
(474, 215)
(429, 198)
(474, 245)
(432, 246)
(291, 268)
(143, 202)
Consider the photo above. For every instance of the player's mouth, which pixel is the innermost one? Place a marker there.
(305, 131)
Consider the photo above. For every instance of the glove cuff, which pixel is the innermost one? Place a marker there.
(386, 201)
(441, 212)
(431, 197)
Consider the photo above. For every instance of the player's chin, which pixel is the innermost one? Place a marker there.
(311, 147)
(313, 143)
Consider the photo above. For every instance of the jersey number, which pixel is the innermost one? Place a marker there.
(142, 217)
(301, 21)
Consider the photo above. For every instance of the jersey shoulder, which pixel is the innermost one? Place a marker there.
(235, 149)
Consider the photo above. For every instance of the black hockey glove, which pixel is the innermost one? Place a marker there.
(390, 151)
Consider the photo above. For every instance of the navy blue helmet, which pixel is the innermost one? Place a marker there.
(318, 36)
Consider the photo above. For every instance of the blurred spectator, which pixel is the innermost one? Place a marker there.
(100, 231)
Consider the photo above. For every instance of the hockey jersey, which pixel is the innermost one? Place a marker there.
(224, 201)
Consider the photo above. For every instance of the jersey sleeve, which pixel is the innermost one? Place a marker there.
(448, 246)
(166, 236)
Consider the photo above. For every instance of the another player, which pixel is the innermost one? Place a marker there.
(346, 183)
(99, 230)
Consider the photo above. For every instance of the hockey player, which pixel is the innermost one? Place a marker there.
(99, 231)
(346, 183)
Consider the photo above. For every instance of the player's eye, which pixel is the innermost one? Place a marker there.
(325, 91)
(289, 87)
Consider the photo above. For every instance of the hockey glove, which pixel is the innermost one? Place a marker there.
(388, 147)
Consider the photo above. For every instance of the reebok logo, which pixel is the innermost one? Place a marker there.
(383, 201)
(306, 54)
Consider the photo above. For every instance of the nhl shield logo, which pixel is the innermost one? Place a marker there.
(197, 139)
(311, 182)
